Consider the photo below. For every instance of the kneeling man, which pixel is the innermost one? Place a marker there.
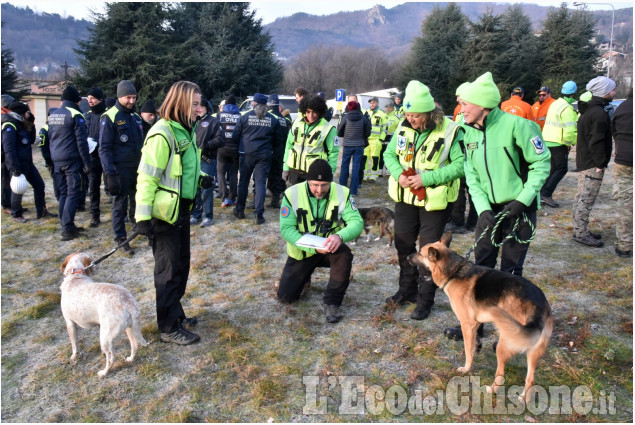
(321, 208)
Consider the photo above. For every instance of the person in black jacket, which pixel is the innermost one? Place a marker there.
(227, 156)
(259, 131)
(209, 138)
(97, 107)
(69, 152)
(622, 128)
(593, 155)
(355, 129)
(6, 176)
(18, 134)
(275, 182)
(120, 143)
(45, 150)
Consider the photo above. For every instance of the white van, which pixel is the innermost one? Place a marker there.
(287, 102)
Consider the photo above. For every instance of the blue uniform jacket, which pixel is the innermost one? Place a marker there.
(67, 136)
(16, 145)
(209, 136)
(93, 125)
(228, 120)
(120, 142)
(258, 135)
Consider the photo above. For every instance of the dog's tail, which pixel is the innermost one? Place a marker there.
(518, 337)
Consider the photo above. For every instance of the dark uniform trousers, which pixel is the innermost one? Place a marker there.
(128, 181)
(171, 251)
(35, 180)
(559, 168)
(297, 272)
(94, 183)
(258, 165)
(513, 254)
(412, 221)
(69, 181)
(6, 186)
(296, 176)
(460, 205)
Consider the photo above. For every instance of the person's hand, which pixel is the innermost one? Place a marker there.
(17, 173)
(488, 218)
(144, 227)
(415, 181)
(113, 183)
(404, 181)
(86, 169)
(515, 209)
(331, 244)
(206, 182)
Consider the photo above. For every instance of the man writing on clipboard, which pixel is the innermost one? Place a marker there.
(321, 213)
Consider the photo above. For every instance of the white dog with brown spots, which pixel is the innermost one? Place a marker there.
(86, 303)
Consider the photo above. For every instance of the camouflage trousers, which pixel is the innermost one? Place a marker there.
(623, 195)
(589, 182)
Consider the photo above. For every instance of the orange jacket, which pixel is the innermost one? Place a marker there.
(517, 106)
(457, 111)
(540, 111)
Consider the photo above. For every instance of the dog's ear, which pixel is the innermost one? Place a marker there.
(446, 239)
(433, 254)
(65, 262)
(87, 260)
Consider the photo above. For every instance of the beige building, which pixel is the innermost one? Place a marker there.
(43, 96)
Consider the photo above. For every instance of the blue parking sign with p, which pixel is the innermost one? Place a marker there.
(340, 95)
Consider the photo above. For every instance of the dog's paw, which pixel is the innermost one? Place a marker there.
(376, 239)
(463, 369)
(102, 373)
(130, 359)
(488, 389)
(74, 356)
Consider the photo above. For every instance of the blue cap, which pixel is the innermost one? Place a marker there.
(569, 87)
(273, 100)
(260, 98)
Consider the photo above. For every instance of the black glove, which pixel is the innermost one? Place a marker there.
(515, 209)
(206, 181)
(488, 218)
(86, 170)
(144, 228)
(17, 173)
(113, 184)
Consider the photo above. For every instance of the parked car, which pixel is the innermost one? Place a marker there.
(287, 102)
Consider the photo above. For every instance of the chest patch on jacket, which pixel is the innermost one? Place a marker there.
(539, 146)
(471, 146)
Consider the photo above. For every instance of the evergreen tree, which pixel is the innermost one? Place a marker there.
(566, 46)
(523, 59)
(484, 49)
(436, 54)
(10, 80)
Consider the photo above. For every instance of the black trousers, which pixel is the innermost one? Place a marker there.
(128, 179)
(94, 183)
(559, 168)
(297, 272)
(513, 253)
(296, 176)
(6, 187)
(459, 207)
(274, 181)
(412, 222)
(171, 251)
(35, 180)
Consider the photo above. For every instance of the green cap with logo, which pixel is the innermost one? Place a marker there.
(418, 98)
(482, 92)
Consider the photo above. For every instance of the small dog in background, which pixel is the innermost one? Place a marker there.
(380, 216)
(86, 303)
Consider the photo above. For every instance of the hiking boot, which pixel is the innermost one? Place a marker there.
(548, 200)
(456, 334)
(589, 241)
(126, 246)
(189, 322)
(623, 254)
(206, 222)
(20, 219)
(260, 220)
(180, 336)
(67, 236)
(240, 214)
(194, 221)
(421, 312)
(81, 208)
(226, 203)
(400, 299)
(333, 314)
(595, 235)
(46, 213)
(454, 228)
(94, 222)
(275, 201)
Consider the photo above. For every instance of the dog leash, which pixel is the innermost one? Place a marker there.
(100, 259)
(499, 219)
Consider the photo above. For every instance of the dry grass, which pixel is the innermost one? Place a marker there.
(254, 351)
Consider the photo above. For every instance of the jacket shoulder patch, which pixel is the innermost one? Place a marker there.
(539, 146)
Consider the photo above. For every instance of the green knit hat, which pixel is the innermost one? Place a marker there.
(460, 88)
(418, 98)
(586, 96)
(482, 92)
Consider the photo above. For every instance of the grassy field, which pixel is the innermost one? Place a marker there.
(259, 360)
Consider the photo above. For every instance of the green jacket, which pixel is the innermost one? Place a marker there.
(348, 223)
(505, 161)
(169, 170)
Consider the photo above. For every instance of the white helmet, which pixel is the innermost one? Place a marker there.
(19, 185)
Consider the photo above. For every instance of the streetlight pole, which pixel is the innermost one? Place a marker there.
(580, 3)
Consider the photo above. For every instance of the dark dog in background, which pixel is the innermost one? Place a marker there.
(382, 217)
(518, 308)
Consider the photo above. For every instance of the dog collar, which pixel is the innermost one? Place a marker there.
(77, 271)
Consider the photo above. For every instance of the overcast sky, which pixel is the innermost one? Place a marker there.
(267, 10)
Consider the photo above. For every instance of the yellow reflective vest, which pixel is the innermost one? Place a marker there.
(307, 145)
(561, 124)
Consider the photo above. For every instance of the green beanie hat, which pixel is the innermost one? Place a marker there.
(586, 96)
(418, 98)
(460, 88)
(482, 92)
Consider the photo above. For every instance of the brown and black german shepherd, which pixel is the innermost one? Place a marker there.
(383, 217)
(517, 307)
